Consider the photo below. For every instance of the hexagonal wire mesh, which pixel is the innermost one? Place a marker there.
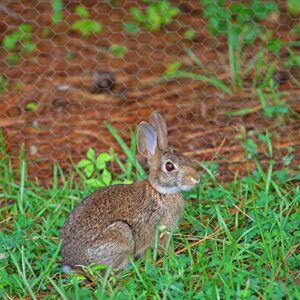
(222, 73)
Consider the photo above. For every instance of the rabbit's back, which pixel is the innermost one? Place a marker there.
(94, 213)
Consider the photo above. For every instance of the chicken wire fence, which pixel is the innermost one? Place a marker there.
(224, 73)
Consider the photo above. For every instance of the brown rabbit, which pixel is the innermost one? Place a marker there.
(119, 221)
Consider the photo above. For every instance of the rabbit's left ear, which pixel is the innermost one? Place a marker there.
(159, 123)
(146, 140)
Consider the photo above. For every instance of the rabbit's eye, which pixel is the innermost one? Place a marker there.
(169, 166)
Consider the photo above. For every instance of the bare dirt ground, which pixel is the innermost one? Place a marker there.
(59, 77)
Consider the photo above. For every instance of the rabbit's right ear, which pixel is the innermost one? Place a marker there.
(159, 123)
(146, 139)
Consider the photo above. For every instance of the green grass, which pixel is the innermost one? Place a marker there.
(237, 241)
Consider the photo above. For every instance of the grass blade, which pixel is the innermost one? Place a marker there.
(130, 155)
(58, 289)
(213, 81)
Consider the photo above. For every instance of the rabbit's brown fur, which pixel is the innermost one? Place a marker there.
(119, 221)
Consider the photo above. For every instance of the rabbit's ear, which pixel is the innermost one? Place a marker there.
(146, 139)
(159, 123)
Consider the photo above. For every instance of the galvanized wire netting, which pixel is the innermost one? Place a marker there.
(222, 73)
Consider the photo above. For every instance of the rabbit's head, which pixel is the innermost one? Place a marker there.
(169, 170)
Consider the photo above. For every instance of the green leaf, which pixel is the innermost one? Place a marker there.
(274, 45)
(91, 154)
(12, 58)
(105, 157)
(86, 27)
(189, 34)
(236, 8)
(78, 25)
(100, 164)
(118, 50)
(25, 28)
(82, 11)
(10, 41)
(249, 36)
(101, 160)
(137, 14)
(28, 46)
(84, 163)
(89, 169)
(106, 177)
(31, 106)
(131, 28)
(94, 183)
(23, 35)
(57, 6)
(156, 14)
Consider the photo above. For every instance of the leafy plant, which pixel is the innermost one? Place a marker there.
(157, 14)
(238, 22)
(85, 25)
(95, 169)
(22, 38)
(118, 50)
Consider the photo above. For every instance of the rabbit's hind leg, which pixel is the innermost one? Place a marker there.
(114, 246)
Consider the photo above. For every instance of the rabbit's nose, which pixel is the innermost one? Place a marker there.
(195, 177)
